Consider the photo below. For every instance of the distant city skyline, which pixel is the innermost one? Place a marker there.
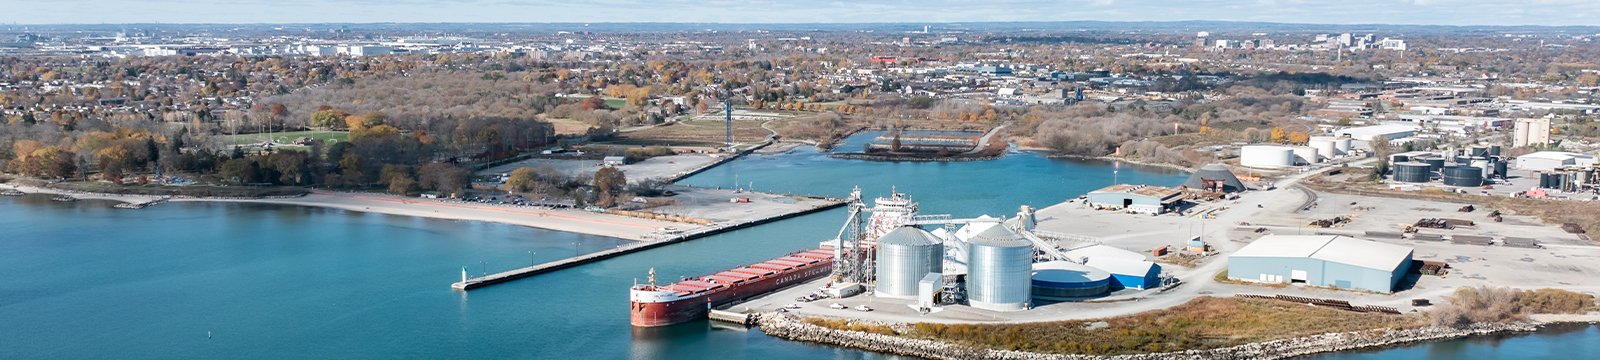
(1399, 12)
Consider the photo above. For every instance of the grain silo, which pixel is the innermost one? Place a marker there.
(1000, 264)
(905, 255)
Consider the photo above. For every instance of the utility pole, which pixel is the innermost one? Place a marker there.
(727, 113)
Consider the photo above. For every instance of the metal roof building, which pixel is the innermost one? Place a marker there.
(1128, 269)
(1550, 160)
(1136, 199)
(1322, 260)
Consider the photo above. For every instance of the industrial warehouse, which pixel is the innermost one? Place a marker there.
(1322, 260)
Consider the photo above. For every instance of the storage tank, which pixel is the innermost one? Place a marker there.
(999, 270)
(1494, 150)
(1342, 144)
(1266, 156)
(1546, 181)
(1435, 164)
(1500, 168)
(1483, 165)
(905, 255)
(1305, 154)
(1463, 176)
(1396, 159)
(1477, 151)
(1324, 147)
(1066, 280)
(1412, 172)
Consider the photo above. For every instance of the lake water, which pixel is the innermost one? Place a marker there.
(241, 281)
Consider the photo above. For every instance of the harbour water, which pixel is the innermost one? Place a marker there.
(239, 281)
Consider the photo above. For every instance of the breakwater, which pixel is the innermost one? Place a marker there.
(791, 327)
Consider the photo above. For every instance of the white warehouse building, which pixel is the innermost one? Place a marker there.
(1551, 160)
(1392, 132)
(1322, 260)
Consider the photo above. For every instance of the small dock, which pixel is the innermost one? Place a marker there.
(732, 317)
(522, 272)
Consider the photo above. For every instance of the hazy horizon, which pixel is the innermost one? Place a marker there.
(1352, 12)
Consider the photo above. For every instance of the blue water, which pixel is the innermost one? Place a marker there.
(199, 280)
(1553, 343)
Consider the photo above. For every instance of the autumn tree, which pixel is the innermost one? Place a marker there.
(609, 181)
(521, 180)
(1278, 135)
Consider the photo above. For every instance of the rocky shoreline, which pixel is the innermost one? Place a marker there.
(791, 327)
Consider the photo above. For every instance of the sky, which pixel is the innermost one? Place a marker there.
(1427, 12)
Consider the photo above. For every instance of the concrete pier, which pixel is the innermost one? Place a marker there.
(518, 273)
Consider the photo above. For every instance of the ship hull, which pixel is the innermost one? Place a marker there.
(663, 313)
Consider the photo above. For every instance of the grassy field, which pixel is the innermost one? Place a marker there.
(1202, 323)
(696, 133)
(327, 137)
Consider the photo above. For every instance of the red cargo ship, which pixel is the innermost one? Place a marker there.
(692, 298)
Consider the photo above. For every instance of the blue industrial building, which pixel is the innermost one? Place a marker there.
(1127, 274)
(1322, 260)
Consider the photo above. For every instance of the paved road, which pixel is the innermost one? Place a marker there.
(984, 141)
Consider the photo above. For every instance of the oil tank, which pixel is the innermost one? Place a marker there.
(1342, 144)
(1500, 168)
(905, 255)
(1547, 181)
(1412, 172)
(1494, 150)
(1479, 151)
(1324, 146)
(1065, 281)
(1266, 156)
(1396, 159)
(1000, 264)
(1463, 176)
(1305, 154)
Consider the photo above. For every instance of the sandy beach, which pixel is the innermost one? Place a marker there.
(569, 220)
(131, 199)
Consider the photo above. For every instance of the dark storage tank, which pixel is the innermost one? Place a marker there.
(1435, 164)
(1463, 176)
(1412, 172)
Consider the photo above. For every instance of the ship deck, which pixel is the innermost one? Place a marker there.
(744, 274)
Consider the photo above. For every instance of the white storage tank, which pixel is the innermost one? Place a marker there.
(1342, 145)
(1483, 163)
(905, 256)
(999, 276)
(1266, 156)
(1325, 146)
(1305, 154)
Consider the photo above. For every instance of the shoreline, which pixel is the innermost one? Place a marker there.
(1053, 154)
(791, 327)
(565, 220)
